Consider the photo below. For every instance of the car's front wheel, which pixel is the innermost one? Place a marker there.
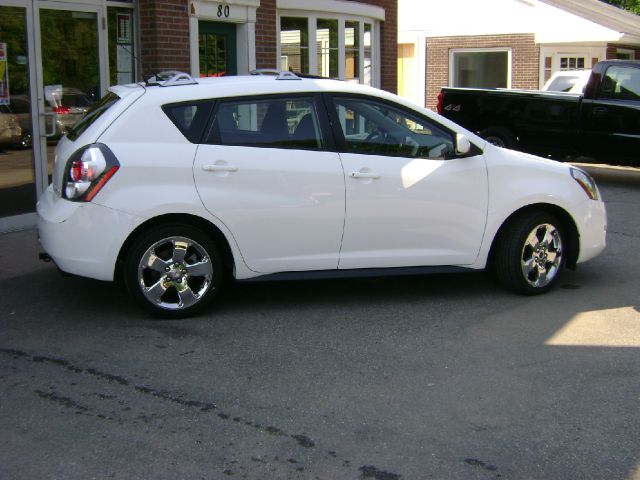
(173, 271)
(530, 253)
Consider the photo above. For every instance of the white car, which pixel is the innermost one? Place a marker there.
(568, 81)
(177, 184)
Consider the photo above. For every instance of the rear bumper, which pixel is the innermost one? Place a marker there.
(82, 238)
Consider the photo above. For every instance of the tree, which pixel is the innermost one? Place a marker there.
(631, 5)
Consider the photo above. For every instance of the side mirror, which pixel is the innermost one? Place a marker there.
(463, 145)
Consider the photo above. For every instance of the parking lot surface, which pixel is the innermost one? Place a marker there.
(428, 377)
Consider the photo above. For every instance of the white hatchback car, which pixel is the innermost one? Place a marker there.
(177, 183)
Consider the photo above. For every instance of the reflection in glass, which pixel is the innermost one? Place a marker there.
(368, 62)
(17, 179)
(352, 51)
(294, 44)
(327, 41)
(70, 68)
(121, 46)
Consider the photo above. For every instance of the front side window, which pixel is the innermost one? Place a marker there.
(376, 128)
(621, 83)
(480, 69)
(275, 122)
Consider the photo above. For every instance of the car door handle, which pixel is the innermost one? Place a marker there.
(219, 168)
(370, 175)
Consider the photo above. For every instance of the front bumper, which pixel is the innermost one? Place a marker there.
(591, 219)
(82, 238)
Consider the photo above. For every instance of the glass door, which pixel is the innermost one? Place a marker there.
(70, 75)
(53, 67)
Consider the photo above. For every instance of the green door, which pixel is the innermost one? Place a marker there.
(217, 45)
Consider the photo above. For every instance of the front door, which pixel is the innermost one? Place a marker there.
(217, 49)
(409, 200)
(52, 74)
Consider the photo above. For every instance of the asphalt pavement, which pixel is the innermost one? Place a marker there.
(429, 377)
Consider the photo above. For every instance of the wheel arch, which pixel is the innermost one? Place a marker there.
(568, 226)
(193, 220)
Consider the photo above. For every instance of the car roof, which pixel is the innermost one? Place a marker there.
(246, 85)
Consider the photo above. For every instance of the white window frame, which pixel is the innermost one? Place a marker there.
(312, 21)
(627, 51)
(508, 50)
(557, 52)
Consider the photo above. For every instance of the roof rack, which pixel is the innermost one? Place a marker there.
(279, 74)
(170, 78)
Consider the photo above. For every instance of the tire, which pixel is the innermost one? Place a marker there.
(499, 136)
(173, 271)
(530, 253)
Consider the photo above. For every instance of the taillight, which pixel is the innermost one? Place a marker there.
(439, 109)
(87, 171)
(61, 110)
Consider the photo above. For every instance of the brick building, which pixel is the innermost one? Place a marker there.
(505, 43)
(354, 40)
(58, 58)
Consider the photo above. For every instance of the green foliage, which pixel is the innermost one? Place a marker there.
(631, 5)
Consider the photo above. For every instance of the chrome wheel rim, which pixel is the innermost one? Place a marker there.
(175, 273)
(542, 255)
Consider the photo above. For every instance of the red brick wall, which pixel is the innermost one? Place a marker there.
(525, 56)
(164, 36)
(266, 41)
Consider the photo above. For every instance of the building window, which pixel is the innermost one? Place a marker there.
(294, 45)
(625, 54)
(572, 63)
(327, 47)
(368, 59)
(121, 47)
(344, 46)
(480, 68)
(352, 51)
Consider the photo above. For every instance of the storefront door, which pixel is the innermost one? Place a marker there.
(217, 49)
(50, 61)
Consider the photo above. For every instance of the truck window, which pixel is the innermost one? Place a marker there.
(621, 83)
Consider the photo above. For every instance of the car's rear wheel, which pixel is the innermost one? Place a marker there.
(173, 271)
(499, 136)
(530, 253)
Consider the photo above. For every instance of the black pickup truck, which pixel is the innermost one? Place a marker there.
(602, 123)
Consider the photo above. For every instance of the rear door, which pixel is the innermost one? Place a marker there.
(263, 170)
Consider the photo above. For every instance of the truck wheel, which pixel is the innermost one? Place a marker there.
(499, 136)
(529, 254)
(173, 271)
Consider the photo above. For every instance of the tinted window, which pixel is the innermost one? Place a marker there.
(371, 127)
(190, 118)
(275, 122)
(622, 83)
(92, 115)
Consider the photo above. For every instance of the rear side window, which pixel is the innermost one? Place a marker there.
(273, 122)
(190, 118)
(621, 83)
(95, 112)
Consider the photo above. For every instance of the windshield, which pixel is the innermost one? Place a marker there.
(92, 115)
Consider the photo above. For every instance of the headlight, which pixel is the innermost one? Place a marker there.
(587, 183)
